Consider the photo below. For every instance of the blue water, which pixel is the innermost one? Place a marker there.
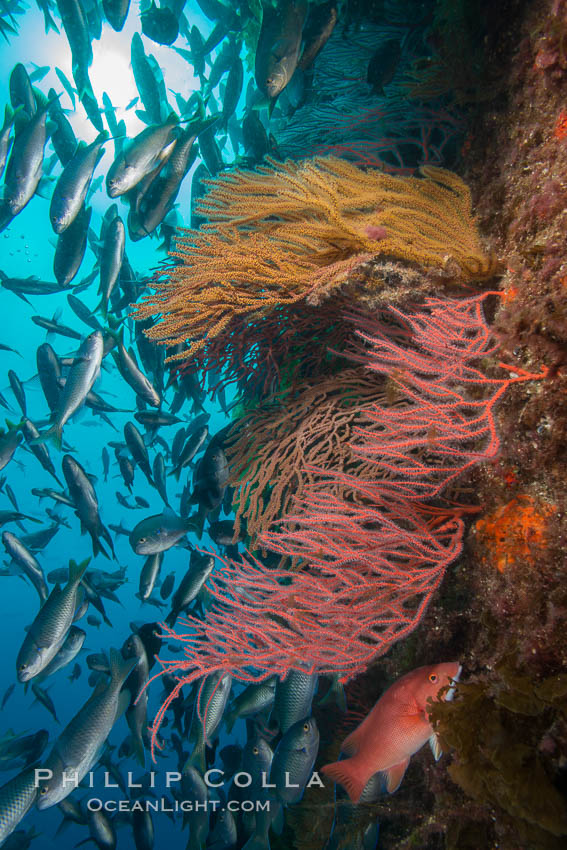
(26, 248)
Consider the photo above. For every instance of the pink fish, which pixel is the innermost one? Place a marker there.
(395, 729)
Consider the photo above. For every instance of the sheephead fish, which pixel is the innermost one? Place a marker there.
(396, 728)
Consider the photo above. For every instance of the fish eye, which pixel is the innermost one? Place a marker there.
(23, 666)
(44, 789)
(306, 726)
(142, 540)
(255, 751)
(433, 677)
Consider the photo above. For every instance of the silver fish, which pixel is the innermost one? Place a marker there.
(72, 186)
(140, 156)
(84, 372)
(136, 714)
(5, 136)
(293, 698)
(111, 257)
(159, 532)
(207, 714)
(133, 376)
(162, 192)
(294, 758)
(167, 586)
(70, 248)
(85, 501)
(70, 648)
(253, 699)
(159, 477)
(193, 788)
(28, 563)
(25, 165)
(50, 626)
(199, 570)
(143, 829)
(279, 46)
(79, 745)
(149, 574)
(16, 799)
(39, 450)
(224, 833)
(43, 698)
(49, 371)
(138, 450)
(102, 830)
(17, 751)
(194, 443)
(9, 442)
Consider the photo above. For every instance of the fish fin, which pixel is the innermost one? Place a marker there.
(98, 548)
(346, 774)
(120, 667)
(77, 571)
(394, 775)
(193, 523)
(435, 747)
(55, 434)
(102, 307)
(171, 618)
(336, 694)
(197, 757)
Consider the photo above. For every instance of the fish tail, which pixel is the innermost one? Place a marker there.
(199, 521)
(98, 548)
(171, 618)
(55, 434)
(120, 668)
(77, 571)
(103, 308)
(346, 773)
(336, 694)
(197, 757)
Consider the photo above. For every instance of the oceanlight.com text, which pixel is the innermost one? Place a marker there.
(95, 804)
